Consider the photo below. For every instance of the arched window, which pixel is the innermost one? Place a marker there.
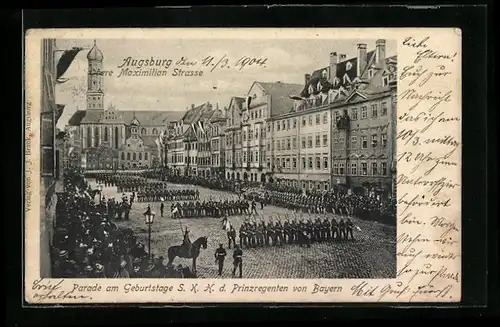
(143, 131)
(116, 137)
(89, 137)
(128, 155)
(123, 155)
(134, 157)
(140, 155)
(155, 131)
(106, 134)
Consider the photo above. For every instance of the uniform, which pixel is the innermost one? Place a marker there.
(220, 255)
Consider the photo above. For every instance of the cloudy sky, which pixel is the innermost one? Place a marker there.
(287, 61)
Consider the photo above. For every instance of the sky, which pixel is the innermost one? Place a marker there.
(287, 61)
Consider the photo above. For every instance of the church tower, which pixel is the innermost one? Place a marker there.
(95, 92)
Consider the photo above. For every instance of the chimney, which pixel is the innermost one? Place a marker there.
(342, 57)
(380, 50)
(308, 78)
(333, 65)
(361, 58)
(192, 105)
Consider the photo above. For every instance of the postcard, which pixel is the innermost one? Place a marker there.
(259, 165)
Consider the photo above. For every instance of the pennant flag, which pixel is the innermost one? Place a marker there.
(59, 111)
(296, 97)
(248, 101)
(201, 127)
(175, 210)
(65, 61)
(70, 151)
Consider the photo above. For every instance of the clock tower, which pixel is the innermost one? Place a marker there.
(95, 92)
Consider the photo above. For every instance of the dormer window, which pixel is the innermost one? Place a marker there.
(311, 89)
(385, 81)
(370, 73)
(324, 73)
(336, 81)
(346, 79)
(319, 86)
(348, 66)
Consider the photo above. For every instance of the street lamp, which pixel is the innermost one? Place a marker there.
(149, 217)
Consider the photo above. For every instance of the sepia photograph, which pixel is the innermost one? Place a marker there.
(218, 158)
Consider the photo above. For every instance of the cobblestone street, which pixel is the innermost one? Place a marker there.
(371, 255)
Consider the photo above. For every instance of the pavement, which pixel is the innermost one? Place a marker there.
(371, 255)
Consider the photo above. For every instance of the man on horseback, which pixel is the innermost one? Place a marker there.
(186, 242)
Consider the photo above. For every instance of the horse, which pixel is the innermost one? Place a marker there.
(179, 251)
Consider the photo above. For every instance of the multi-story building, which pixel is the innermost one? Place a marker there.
(49, 171)
(106, 134)
(183, 146)
(232, 132)
(248, 127)
(355, 143)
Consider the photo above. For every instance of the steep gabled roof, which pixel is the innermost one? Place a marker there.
(193, 114)
(280, 96)
(145, 117)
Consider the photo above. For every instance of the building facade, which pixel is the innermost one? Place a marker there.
(106, 133)
(247, 128)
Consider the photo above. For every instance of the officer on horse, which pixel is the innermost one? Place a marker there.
(186, 242)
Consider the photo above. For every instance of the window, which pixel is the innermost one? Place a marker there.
(287, 124)
(155, 131)
(364, 142)
(325, 139)
(383, 109)
(278, 162)
(364, 112)
(385, 81)
(303, 142)
(309, 141)
(268, 146)
(354, 114)
(318, 163)
(374, 140)
(374, 168)
(287, 163)
(123, 155)
(283, 144)
(278, 126)
(140, 155)
(303, 163)
(115, 135)
(384, 140)
(303, 121)
(325, 118)
(310, 120)
(341, 140)
(294, 143)
(383, 168)
(269, 128)
(244, 156)
(370, 73)
(335, 168)
(325, 162)
(283, 125)
(128, 155)
(134, 156)
(341, 168)
(294, 163)
(310, 160)
(318, 140)
(146, 156)
(364, 168)
(354, 141)
(288, 144)
(374, 110)
(354, 169)
(244, 136)
(106, 135)
(278, 145)
(336, 115)
(318, 119)
(294, 123)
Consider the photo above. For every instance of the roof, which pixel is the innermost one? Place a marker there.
(280, 96)
(145, 117)
(218, 115)
(95, 53)
(150, 141)
(192, 114)
(348, 66)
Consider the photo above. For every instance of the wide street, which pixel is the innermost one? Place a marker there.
(371, 255)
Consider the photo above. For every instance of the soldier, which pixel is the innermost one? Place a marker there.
(348, 227)
(162, 207)
(186, 242)
(231, 235)
(220, 255)
(238, 260)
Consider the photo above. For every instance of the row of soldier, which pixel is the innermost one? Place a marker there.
(161, 194)
(213, 208)
(301, 231)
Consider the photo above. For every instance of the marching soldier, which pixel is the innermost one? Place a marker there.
(238, 260)
(162, 207)
(220, 255)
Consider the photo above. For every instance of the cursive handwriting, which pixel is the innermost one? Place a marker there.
(47, 290)
(422, 75)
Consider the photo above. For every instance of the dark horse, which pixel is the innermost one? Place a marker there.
(181, 251)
